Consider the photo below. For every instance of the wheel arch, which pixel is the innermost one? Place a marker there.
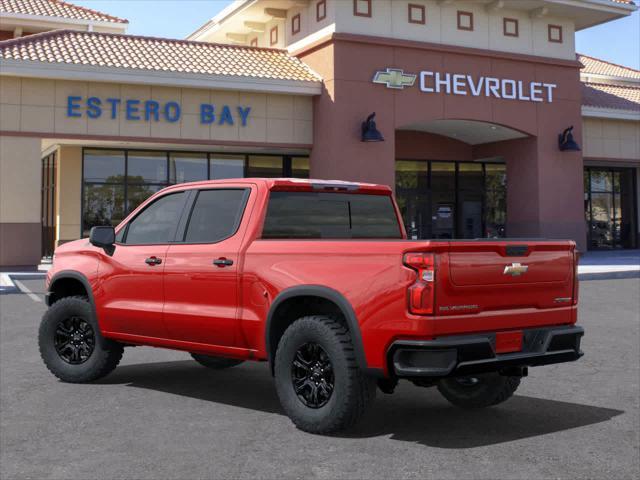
(65, 283)
(278, 321)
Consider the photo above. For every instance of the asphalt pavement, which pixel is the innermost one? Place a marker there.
(162, 416)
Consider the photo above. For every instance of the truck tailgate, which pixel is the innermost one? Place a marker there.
(533, 280)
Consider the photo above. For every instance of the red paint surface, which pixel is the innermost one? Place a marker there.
(189, 304)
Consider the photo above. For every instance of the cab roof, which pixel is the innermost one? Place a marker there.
(298, 184)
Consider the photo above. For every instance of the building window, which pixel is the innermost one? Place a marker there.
(114, 182)
(452, 199)
(362, 8)
(510, 27)
(295, 24)
(417, 14)
(555, 33)
(465, 20)
(321, 10)
(273, 35)
(254, 42)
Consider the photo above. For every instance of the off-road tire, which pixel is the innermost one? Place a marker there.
(103, 359)
(215, 363)
(491, 389)
(353, 391)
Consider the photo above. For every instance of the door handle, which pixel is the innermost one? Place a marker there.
(151, 261)
(223, 262)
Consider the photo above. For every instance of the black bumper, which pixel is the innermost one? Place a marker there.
(467, 354)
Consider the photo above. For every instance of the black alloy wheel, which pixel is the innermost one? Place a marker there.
(74, 340)
(312, 375)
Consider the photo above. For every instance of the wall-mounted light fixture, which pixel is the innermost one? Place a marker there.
(566, 143)
(370, 132)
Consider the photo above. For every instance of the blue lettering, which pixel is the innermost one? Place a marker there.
(244, 113)
(132, 109)
(114, 106)
(172, 112)
(94, 110)
(73, 103)
(225, 116)
(207, 114)
(151, 107)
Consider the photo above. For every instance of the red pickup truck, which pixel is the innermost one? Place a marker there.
(317, 278)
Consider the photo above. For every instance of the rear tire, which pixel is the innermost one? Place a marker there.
(215, 363)
(71, 345)
(478, 391)
(320, 385)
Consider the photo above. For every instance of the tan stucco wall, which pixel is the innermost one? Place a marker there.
(19, 179)
(68, 193)
(608, 138)
(36, 105)
(19, 200)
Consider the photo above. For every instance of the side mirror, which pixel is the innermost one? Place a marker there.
(103, 237)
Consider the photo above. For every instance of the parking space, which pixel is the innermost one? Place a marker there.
(161, 415)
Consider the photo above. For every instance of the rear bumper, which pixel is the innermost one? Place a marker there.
(467, 354)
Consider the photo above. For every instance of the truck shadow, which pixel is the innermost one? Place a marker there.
(412, 414)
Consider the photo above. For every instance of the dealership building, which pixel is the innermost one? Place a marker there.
(487, 122)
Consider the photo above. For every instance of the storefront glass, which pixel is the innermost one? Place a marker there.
(451, 199)
(610, 207)
(116, 181)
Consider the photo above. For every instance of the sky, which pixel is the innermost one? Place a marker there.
(617, 42)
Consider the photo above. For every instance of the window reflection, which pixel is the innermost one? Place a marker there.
(115, 182)
(451, 199)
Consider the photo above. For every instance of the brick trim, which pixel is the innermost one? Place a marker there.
(462, 13)
(321, 10)
(550, 28)
(507, 20)
(421, 9)
(295, 24)
(367, 14)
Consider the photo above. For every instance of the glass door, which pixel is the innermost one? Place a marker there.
(47, 205)
(610, 207)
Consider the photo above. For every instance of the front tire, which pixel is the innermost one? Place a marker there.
(478, 391)
(71, 345)
(215, 363)
(318, 381)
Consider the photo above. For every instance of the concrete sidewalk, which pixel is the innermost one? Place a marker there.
(609, 264)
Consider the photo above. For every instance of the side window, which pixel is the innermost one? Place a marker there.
(157, 222)
(216, 215)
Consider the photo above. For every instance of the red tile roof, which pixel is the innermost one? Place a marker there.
(602, 67)
(157, 54)
(611, 96)
(56, 8)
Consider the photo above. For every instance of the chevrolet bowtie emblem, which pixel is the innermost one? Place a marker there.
(394, 78)
(515, 269)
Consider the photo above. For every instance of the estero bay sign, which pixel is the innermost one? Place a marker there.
(152, 110)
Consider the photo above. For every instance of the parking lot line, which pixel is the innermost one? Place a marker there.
(21, 286)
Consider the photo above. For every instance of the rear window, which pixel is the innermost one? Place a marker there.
(330, 215)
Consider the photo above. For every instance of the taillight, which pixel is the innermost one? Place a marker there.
(421, 295)
(576, 259)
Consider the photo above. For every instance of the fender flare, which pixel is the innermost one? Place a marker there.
(63, 274)
(328, 294)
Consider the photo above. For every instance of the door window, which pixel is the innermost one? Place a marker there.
(157, 223)
(216, 215)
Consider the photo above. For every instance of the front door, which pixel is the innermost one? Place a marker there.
(48, 205)
(131, 293)
(201, 269)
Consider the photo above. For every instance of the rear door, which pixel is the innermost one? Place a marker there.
(131, 295)
(201, 268)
